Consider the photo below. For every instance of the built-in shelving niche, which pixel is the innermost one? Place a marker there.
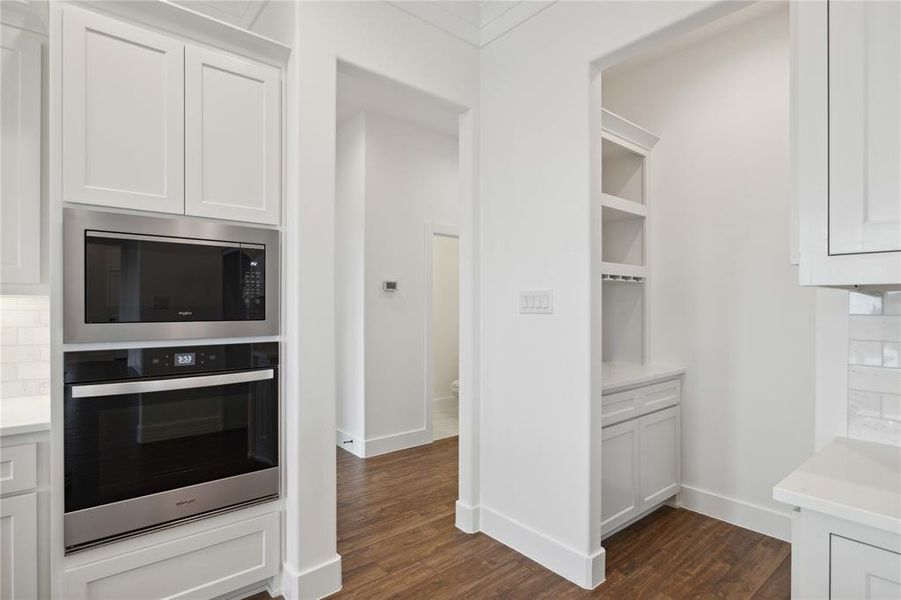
(625, 212)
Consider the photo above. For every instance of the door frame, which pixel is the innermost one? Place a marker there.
(433, 230)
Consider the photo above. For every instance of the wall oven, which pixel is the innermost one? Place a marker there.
(154, 436)
(138, 278)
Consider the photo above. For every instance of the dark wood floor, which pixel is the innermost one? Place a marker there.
(397, 539)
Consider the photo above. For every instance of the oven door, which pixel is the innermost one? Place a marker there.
(138, 278)
(144, 453)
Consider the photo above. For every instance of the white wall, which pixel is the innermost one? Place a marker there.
(382, 39)
(350, 230)
(540, 448)
(411, 179)
(445, 314)
(724, 299)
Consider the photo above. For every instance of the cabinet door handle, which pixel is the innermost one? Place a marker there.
(165, 385)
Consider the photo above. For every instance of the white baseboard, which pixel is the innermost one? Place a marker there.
(320, 581)
(351, 443)
(447, 401)
(583, 570)
(738, 512)
(396, 441)
(467, 518)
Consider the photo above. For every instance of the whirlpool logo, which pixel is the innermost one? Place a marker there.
(185, 313)
(186, 502)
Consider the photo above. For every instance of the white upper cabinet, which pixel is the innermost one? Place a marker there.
(847, 127)
(20, 134)
(232, 138)
(123, 115)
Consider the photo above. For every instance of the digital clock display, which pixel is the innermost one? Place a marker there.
(184, 359)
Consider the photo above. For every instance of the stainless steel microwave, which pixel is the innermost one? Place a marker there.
(139, 278)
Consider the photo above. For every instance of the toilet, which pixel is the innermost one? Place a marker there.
(455, 388)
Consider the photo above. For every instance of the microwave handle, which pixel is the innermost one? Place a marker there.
(165, 385)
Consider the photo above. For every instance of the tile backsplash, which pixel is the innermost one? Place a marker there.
(24, 346)
(874, 370)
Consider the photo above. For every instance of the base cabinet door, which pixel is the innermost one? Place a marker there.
(19, 547)
(620, 500)
(860, 571)
(123, 115)
(232, 138)
(660, 455)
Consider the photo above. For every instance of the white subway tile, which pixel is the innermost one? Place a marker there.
(891, 354)
(34, 303)
(17, 389)
(875, 430)
(9, 336)
(892, 303)
(44, 388)
(865, 303)
(875, 379)
(45, 353)
(865, 353)
(20, 318)
(8, 303)
(877, 328)
(35, 370)
(891, 407)
(864, 404)
(34, 335)
(8, 372)
(15, 354)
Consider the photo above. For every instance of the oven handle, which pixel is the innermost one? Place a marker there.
(165, 385)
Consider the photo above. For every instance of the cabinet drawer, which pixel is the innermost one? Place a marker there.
(619, 407)
(204, 565)
(862, 571)
(18, 468)
(660, 396)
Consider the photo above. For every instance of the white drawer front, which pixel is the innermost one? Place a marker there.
(18, 468)
(660, 396)
(204, 565)
(619, 407)
(861, 571)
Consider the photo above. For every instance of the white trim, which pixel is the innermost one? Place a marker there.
(467, 517)
(318, 582)
(584, 570)
(351, 443)
(757, 518)
(432, 230)
(396, 441)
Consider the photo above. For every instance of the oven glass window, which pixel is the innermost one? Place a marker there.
(151, 281)
(126, 446)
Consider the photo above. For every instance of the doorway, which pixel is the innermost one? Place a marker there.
(443, 331)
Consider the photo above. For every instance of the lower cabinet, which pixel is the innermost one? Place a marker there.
(19, 547)
(211, 558)
(641, 465)
(862, 572)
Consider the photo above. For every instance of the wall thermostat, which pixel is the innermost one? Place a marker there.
(389, 286)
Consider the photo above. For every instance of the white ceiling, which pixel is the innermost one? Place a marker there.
(360, 90)
(241, 13)
(476, 23)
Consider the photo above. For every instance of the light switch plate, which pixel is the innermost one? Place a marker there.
(539, 302)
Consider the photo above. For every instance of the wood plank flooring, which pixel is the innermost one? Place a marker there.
(397, 539)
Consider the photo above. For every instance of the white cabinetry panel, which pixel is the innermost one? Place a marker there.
(19, 547)
(864, 126)
(232, 140)
(863, 572)
(619, 477)
(20, 133)
(123, 115)
(660, 465)
(18, 468)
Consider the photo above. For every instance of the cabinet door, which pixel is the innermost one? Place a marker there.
(862, 572)
(123, 115)
(620, 501)
(660, 463)
(19, 547)
(232, 138)
(20, 168)
(864, 126)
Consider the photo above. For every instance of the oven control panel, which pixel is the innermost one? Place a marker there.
(172, 361)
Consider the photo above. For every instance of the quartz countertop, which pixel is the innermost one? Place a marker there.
(849, 479)
(24, 415)
(617, 376)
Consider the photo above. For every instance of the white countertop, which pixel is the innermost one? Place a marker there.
(24, 415)
(617, 376)
(849, 479)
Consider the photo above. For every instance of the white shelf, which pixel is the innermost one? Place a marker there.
(624, 270)
(623, 209)
(627, 130)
